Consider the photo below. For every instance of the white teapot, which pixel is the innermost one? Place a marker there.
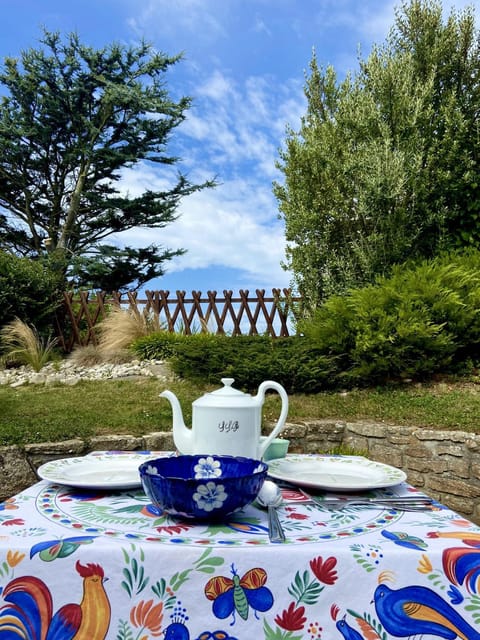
(226, 421)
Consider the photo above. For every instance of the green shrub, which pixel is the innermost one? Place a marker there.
(210, 357)
(158, 345)
(28, 291)
(422, 320)
(301, 367)
(206, 358)
(450, 288)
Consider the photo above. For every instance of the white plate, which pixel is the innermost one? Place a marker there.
(98, 471)
(335, 473)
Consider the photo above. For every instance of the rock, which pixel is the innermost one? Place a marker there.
(38, 378)
(70, 374)
(18, 383)
(15, 470)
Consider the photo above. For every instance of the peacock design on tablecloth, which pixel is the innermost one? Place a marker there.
(178, 630)
(347, 630)
(416, 610)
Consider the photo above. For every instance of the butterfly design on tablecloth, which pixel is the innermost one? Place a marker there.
(237, 594)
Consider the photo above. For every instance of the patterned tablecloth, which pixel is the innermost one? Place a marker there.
(92, 565)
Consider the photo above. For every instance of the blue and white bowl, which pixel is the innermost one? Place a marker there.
(202, 487)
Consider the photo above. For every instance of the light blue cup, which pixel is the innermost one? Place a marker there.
(278, 448)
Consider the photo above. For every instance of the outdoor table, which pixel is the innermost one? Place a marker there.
(93, 565)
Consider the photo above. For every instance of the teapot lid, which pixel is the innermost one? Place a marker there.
(224, 396)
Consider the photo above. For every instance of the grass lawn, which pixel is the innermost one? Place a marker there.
(52, 413)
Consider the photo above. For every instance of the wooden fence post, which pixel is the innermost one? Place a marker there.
(242, 315)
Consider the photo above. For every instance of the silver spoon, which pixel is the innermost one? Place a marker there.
(270, 497)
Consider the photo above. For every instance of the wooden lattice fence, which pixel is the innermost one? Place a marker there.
(240, 314)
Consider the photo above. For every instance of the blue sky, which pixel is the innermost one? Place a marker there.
(244, 66)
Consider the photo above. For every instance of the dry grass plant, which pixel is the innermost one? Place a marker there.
(22, 344)
(122, 327)
(86, 356)
(91, 355)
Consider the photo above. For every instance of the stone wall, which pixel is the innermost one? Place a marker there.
(445, 464)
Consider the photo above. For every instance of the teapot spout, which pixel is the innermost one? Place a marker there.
(182, 436)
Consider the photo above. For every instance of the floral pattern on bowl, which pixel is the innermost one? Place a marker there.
(210, 496)
(208, 467)
(202, 486)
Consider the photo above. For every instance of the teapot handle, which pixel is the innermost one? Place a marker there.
(270, 384)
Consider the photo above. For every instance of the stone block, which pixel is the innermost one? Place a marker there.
(356, 443)
(15, 471)
(475, 517)
(399, 436)
(324, 431)
(315, 437)
(159, 441)
(290, 431)
(386, 455)
(73, 447)
(399, 439)
(452, 486)
(115, 443)
(441, 435)
(473, 444)
(296, 447)
(451, 450)
(313, 447)
(475, 470)
(419, 451)
(416, 479)
(426, 465)
(41, 452)
(368, 429)
(459, 468)
(459, 504)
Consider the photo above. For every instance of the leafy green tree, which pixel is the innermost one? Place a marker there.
(384, 168)
(72, 119)
(29, 291)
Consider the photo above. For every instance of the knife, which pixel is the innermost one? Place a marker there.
(410, 499)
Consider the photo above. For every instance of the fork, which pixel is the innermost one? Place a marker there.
(403, 503)
(398, 505)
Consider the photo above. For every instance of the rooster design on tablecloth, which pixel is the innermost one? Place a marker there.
(28, 612)
(462, 564)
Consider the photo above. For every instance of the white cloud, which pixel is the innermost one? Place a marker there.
(234, 225)
(230, 226)
(169, 17)
(260, 26)
(290, 110)
(238, 119)
(233, 130)
(216, 87)
(240, 123)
